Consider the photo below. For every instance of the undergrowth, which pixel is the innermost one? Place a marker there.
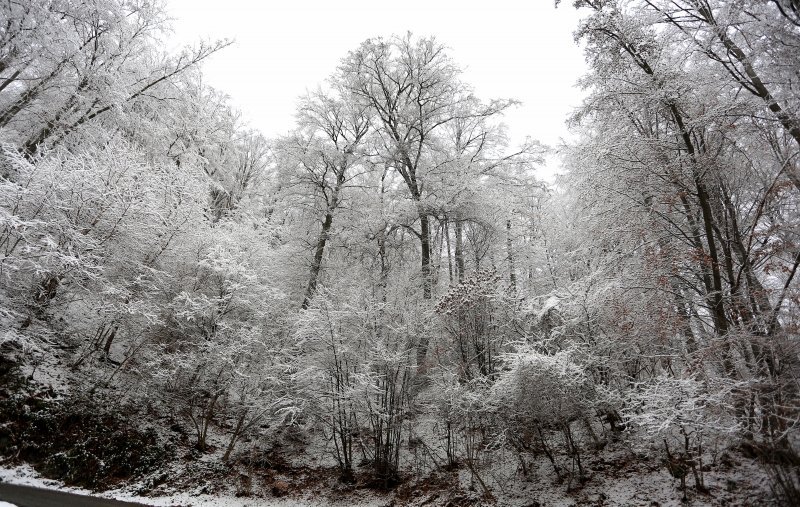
(74, 440)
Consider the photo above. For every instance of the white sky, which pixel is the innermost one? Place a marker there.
(508, 49)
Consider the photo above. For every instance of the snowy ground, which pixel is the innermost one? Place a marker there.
(649, 487)
(26, 476)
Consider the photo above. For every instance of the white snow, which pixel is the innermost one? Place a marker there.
(26, 476)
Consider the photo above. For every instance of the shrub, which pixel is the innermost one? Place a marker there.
(73, 441)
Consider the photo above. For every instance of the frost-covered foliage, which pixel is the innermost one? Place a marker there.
(220, 344)
(361, 364)
(389, 281)
(90, 227)
(539, 389)
(476, 315)
(692, 418)
(667, 404)
(684, 180)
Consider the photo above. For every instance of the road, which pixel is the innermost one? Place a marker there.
(26, 496)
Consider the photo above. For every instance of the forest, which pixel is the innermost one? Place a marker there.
(387, 304)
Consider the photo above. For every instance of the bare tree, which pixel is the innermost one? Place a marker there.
(412, 88)
(320, 156)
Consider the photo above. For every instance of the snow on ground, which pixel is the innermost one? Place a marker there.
(6, 504)
(186, 499)
(618, 476)
(24, 475)
(653, 487)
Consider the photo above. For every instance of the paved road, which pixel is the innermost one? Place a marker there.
(26, 496)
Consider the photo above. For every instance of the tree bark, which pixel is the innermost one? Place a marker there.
(425, 240)
(512, 276)
(714, 298)
(316, 264)
(234, 436)
(459, 253)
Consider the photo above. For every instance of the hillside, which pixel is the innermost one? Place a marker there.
(387, 305)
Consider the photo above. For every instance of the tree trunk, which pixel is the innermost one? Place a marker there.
(512, 276)
(427, 280)
(714, 298)
(9, 80)
(110, 340)
(316, 264)
(449, 251)
(235, 436)
(425, 240)
(459, 250)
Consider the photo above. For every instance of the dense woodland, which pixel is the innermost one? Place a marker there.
(390, 280)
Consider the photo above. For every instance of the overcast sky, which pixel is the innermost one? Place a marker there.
(508, 49)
